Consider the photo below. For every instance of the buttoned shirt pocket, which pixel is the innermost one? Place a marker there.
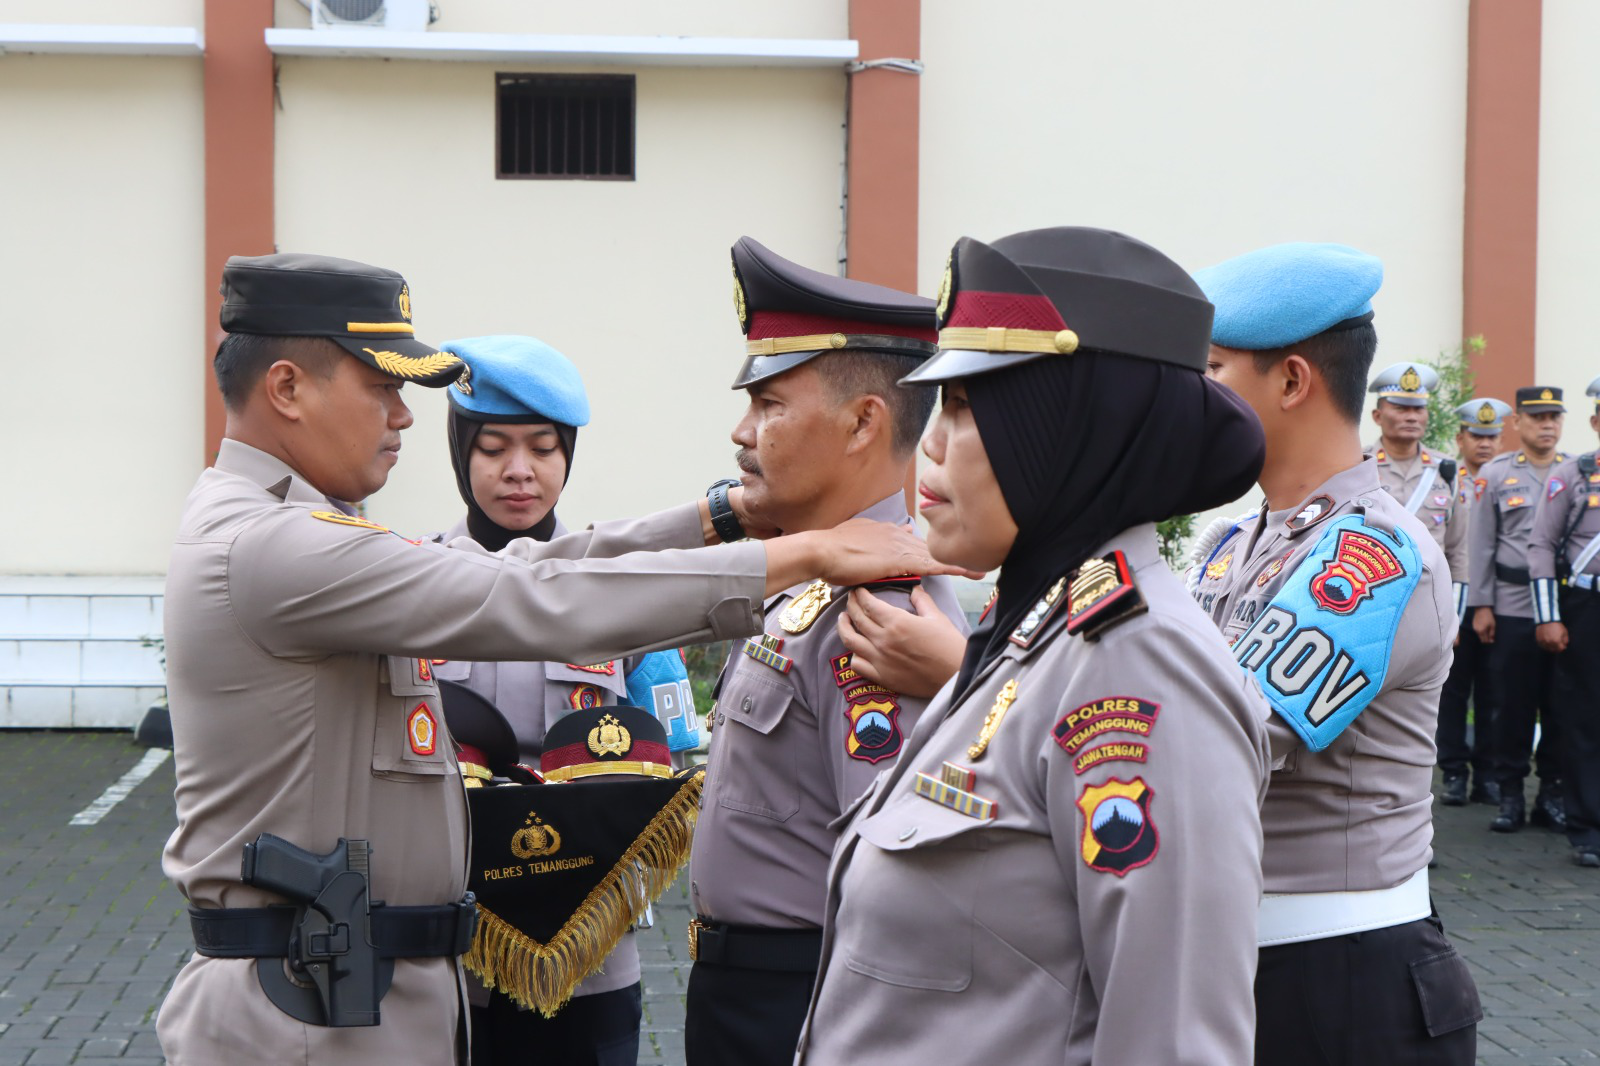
(921, 867)
(409, 737)
(759, 776)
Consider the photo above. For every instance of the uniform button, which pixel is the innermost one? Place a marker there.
(744, 704)
(721, 717)
(907, 834)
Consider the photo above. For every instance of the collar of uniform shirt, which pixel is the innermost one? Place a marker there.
(889, 509)
(268, 471)
(1358, 480)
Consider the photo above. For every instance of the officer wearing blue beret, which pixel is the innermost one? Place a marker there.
(513, 425)
(1338, 601)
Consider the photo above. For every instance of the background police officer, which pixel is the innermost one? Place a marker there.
(1502, 524)
(1480, 421)
(1564, 561)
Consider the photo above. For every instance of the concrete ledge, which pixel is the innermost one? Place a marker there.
(589, 49)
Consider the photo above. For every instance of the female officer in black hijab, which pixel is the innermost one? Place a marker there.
(1071, 839)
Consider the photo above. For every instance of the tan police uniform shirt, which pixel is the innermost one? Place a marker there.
(1107, 913)
(295, 644)
(796, 739)
(1443, 508)
(1501, 526)
(1571, 500)
(1358, 814)
(532, 696)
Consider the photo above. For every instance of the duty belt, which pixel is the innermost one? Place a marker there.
(750, 947)
(394, 932)
(1584, 582)
(1512, 575)
(1289, 918)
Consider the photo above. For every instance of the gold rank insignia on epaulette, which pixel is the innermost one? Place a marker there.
(804, 608)
(1101, 594)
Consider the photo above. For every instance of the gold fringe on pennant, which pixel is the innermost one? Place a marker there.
(542, 977)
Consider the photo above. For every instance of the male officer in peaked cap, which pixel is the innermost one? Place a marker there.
(1562, 560)
(321, 834)
(1503, 616)
(1338, 602)
(1408, 471)
(798, 733)
(1479, 423)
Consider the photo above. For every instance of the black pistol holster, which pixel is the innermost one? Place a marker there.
(328, 958)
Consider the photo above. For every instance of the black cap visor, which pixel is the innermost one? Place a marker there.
(761, 367)
(952, 364)
(403, 356)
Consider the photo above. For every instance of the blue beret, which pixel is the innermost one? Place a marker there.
(1276, 296)
(514, 377)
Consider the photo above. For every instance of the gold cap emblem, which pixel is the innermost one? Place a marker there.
(1486, 414)
(945, 285)
(738, 297)
(610, 737)
(1547, 395)
(1411, 381)
(405, 302)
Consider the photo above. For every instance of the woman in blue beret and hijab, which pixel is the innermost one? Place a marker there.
(513, 426)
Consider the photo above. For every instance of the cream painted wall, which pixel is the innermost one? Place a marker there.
(107, 12)
(1208, 130)
(1569, 214)
(689, 18)
(101, 297)
(393, 163)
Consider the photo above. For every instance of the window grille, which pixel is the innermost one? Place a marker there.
(565, 126)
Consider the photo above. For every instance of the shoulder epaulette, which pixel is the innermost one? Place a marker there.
(1586, 463)
(906, 583)
(1101, 594)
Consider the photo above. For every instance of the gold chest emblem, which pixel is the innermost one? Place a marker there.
(804, 608)
(610, 737)
(992, 720)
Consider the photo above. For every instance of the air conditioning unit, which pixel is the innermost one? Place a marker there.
(397, 15)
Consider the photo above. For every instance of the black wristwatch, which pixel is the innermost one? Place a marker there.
(723, 520)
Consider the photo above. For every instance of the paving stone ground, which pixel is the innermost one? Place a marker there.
(91, 934)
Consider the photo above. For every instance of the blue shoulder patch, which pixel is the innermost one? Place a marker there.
(1321, 648)
(660, 683)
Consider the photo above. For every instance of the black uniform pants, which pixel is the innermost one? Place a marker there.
(1468, 683)
(1577, 699)
(1523, 676)
(741, 1017)
(1386, 996)
(597, 1030)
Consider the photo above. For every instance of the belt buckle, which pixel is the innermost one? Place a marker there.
(695, 925)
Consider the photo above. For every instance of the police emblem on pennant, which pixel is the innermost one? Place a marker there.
(1359, 565)
(804, 608)
(874, 727)
(1118, 834)
(535, 839)
(422, 731)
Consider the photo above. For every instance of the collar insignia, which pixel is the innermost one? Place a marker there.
(1316, 510)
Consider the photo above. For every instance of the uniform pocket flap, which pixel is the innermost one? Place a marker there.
(452, 670)
(756, 702)
(1447, 992)
(411, 677)
(614, 682)
(914, 822)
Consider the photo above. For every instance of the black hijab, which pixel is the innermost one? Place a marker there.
(1087, 446)
(463, 432)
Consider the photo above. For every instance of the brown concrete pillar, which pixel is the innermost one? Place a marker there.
(238, 153)
(1501, 230)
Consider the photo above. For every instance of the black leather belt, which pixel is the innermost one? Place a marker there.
(396, 932)
(751, 947)
(1512, 575)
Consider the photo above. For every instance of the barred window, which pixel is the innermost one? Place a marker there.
(565, 126)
